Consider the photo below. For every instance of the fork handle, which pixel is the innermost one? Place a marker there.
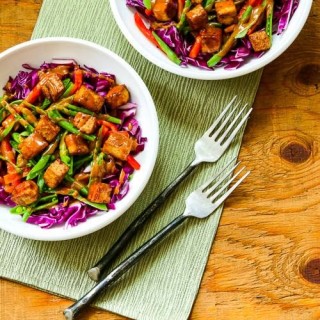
(137, 224)
(124, 266)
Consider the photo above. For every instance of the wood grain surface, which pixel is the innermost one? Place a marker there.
(265, 262)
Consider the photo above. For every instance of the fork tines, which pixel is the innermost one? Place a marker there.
(222, 127)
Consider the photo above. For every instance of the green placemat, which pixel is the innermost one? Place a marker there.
(163, 286)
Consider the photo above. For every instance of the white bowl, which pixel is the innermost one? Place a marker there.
(124, 18)
(35, 52)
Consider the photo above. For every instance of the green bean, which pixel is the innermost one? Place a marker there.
(166, 49)
(45, 104)
(39, 167)
(109, 118)
(73, 193)
(64, 154)
(82, 188)
(65, 124)
(100, 206)
(80, 109)
(17, 116)
(68, 112)
(7, 130)
(208, 4)
(40, 183)
(186, 8)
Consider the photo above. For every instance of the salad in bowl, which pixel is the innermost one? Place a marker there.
(211, 39)
(72, 139)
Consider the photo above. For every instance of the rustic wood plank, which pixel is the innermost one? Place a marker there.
(265, 263)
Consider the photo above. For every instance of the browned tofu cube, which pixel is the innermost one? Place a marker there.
(25, 193)
(226, 12)
(99, 192)
(51, 85)
(76, 145)
(89, 99)
(260, 41)
(164, 10)
(117, 96)
(85, 123)
(47, 128)
(55, 173)
(32, 145)
(197, 17)
(211, 39)
(118, 145)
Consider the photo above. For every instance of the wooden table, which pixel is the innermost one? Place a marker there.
(265, 262)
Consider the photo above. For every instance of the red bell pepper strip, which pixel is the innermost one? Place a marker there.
(133, 162)
(181, 4)
(105, 132)
(254, 3)
(109, 125)
(195, 49)
(13, 178)
(78, 79)
(7, 152)
(144, 30)
(34, 94)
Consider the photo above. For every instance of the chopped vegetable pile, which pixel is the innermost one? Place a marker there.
(68, 138)
(212, 33)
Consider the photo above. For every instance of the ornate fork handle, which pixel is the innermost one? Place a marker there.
(124, 239)
(123, 267)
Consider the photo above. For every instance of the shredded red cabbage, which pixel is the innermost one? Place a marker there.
(65, 213)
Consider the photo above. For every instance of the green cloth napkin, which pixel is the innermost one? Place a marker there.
(164, 285)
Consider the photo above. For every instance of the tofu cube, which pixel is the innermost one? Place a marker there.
(197, 17)
(211, 39)
(226, 12)
(76, 145)
(118, 145)
(85, 123)
(55, 173)
(117, 96)
(89, 99)
(260, 41)
(32, 145)
(164, 10)
(47, 128)
(99, 192)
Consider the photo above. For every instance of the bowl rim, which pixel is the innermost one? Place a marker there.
(76, 232)
(299, 19)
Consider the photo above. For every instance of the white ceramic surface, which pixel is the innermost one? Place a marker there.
(124, 18)
(35, 52)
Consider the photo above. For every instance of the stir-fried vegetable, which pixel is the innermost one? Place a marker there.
(212, 33)
(68, 137)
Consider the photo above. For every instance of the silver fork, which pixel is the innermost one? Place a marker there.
(209, 148)
(200, 204)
